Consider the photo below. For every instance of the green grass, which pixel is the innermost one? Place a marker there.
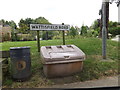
(93, 68)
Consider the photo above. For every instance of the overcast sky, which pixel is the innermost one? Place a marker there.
(73, 12)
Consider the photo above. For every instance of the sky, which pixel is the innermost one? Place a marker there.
(72, 12)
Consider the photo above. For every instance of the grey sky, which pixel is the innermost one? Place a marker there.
(73, 12)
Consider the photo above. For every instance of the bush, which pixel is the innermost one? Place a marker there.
(89, 33)
(25, 37)
(57, 37)
(114, 31)
(92, 33)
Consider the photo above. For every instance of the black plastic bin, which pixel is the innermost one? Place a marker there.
(20, 63)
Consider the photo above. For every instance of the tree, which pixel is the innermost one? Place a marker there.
(46, 34)
(95, 24)
(24, 26)
(41, 20)
(112, 24)
(12, 24)
(107, 15)
(84, 30)
(95, 28)
(2, 21)
(73, 31)
(113, 28)
(14, 30)
(116, 1)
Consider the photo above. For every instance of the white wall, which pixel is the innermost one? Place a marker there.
(0, 27)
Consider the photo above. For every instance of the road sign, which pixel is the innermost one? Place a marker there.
(49, 27)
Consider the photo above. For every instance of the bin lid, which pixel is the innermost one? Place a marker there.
(61, 53)
(19, 47)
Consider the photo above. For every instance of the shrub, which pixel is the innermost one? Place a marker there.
(114, 31)
(92, 33)
(89, 33)
(25, 37)
(57, 37)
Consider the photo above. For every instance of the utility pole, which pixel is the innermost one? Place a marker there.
(107, 18)
(104, 32)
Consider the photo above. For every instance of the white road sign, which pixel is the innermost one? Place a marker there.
(49, 27)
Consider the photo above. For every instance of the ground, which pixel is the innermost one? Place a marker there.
(102, 82)
(94, 67)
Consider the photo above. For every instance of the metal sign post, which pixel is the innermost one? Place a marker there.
(104, 33)
(38, 41)
(63, 36)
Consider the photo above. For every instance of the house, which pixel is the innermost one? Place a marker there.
(5, 33)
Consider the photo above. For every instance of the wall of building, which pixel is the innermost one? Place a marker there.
(5, 33)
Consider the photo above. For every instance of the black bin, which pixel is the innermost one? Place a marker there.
(20, 63)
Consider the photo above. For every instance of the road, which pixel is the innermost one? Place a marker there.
(103, 82)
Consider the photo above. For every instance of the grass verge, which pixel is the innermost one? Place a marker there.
(93, 67)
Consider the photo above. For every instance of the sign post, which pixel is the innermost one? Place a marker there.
(38, 41)
(63, 36)
(49, 27)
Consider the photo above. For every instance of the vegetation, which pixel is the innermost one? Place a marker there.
(24, 25)
(113, 28)
(73, 31)
(24, 28)
(93, 68)
(84, 30)
(83, 37)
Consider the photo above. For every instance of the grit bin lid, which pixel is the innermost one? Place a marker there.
(61, 54)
